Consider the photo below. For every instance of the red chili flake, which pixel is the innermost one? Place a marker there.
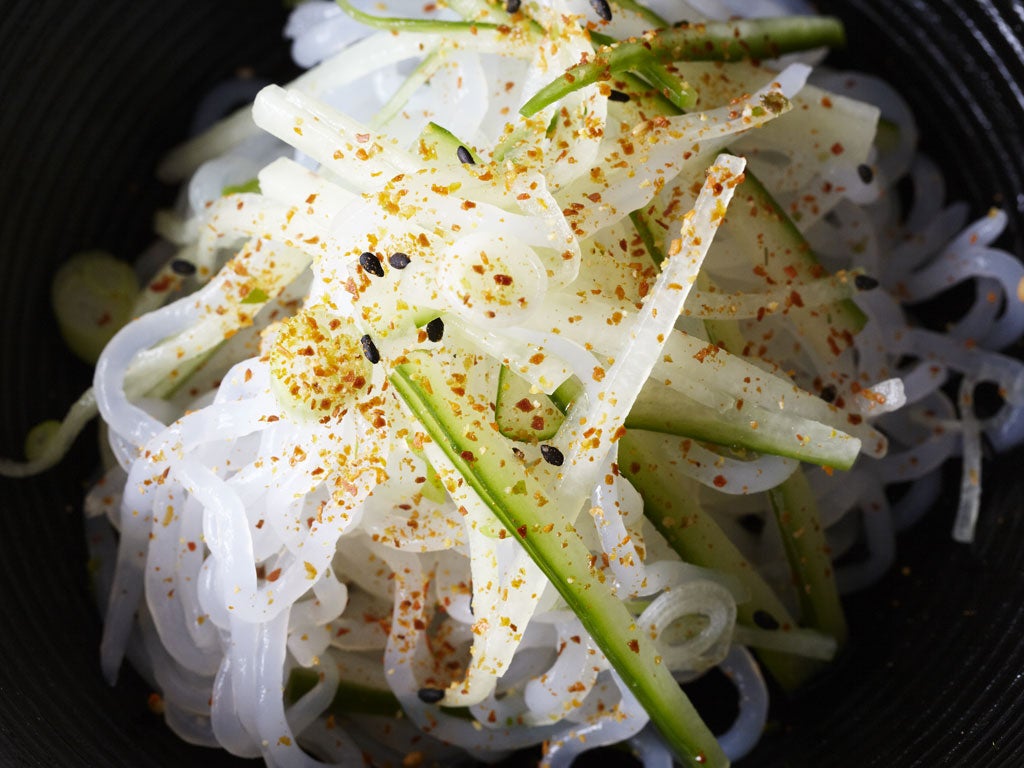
(191, 546)
(537, 422)
(837, 149)
(161, 285)
(155, 702)
(524, 405)
(719, 481)
(503, 279)
(521, 530)
(634, 645)
(467, 456)
(790, 271)
(274, 575)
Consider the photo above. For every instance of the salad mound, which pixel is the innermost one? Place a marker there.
(516, 365)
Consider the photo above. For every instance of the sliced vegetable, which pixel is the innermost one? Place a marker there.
(487, 463)
(712, 41)
(92, 296)
(699, 540)
(522, 413)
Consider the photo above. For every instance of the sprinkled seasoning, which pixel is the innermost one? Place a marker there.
(435, 329)
(618, 96)
(370, 349)
(371, 264)
(602, 9)
(183, 267)
(552, 455)
(430, 695)
(865, 172)
(463, 153)
(865, 282)
(398, 260)
(828, 393)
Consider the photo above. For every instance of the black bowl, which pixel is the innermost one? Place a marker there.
(95, 92)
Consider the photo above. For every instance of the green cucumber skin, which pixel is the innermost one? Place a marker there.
(698, 539)
(489, 466)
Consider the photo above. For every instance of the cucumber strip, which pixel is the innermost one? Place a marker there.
(713, 41)
(642, 225)
(643, 12)
(679, 92)
(395, 23)
(803, 538)
(785, 257)
(715, 378)
(92, 296)
(757, 217)
(488, 465)
(780, 433)
(664, 410)
(425, 70)
(522, 413)
(437, 143)
(252, 186)
(698, 539)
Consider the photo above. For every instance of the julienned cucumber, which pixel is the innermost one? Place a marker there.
(438, 143)
(523, 414)
(353, 698)
(487, 463)
(698, 539)
(711, 41)
(531, 417)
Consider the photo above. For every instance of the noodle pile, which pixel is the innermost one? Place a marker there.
(292, 555)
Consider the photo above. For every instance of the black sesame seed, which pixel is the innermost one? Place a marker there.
(430, 695)
(552, 455)
(370, 349)
(464, 156)
(865, 172)
(183, 267)
(865, 282)
(602, 9)
(618, 96)
(751, 523)
(765, 620)
(828, 393)
(398, 260)
(512, 6)
(435, 329)
(371, 264)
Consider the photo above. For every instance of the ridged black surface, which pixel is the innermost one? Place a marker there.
(94, 92)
